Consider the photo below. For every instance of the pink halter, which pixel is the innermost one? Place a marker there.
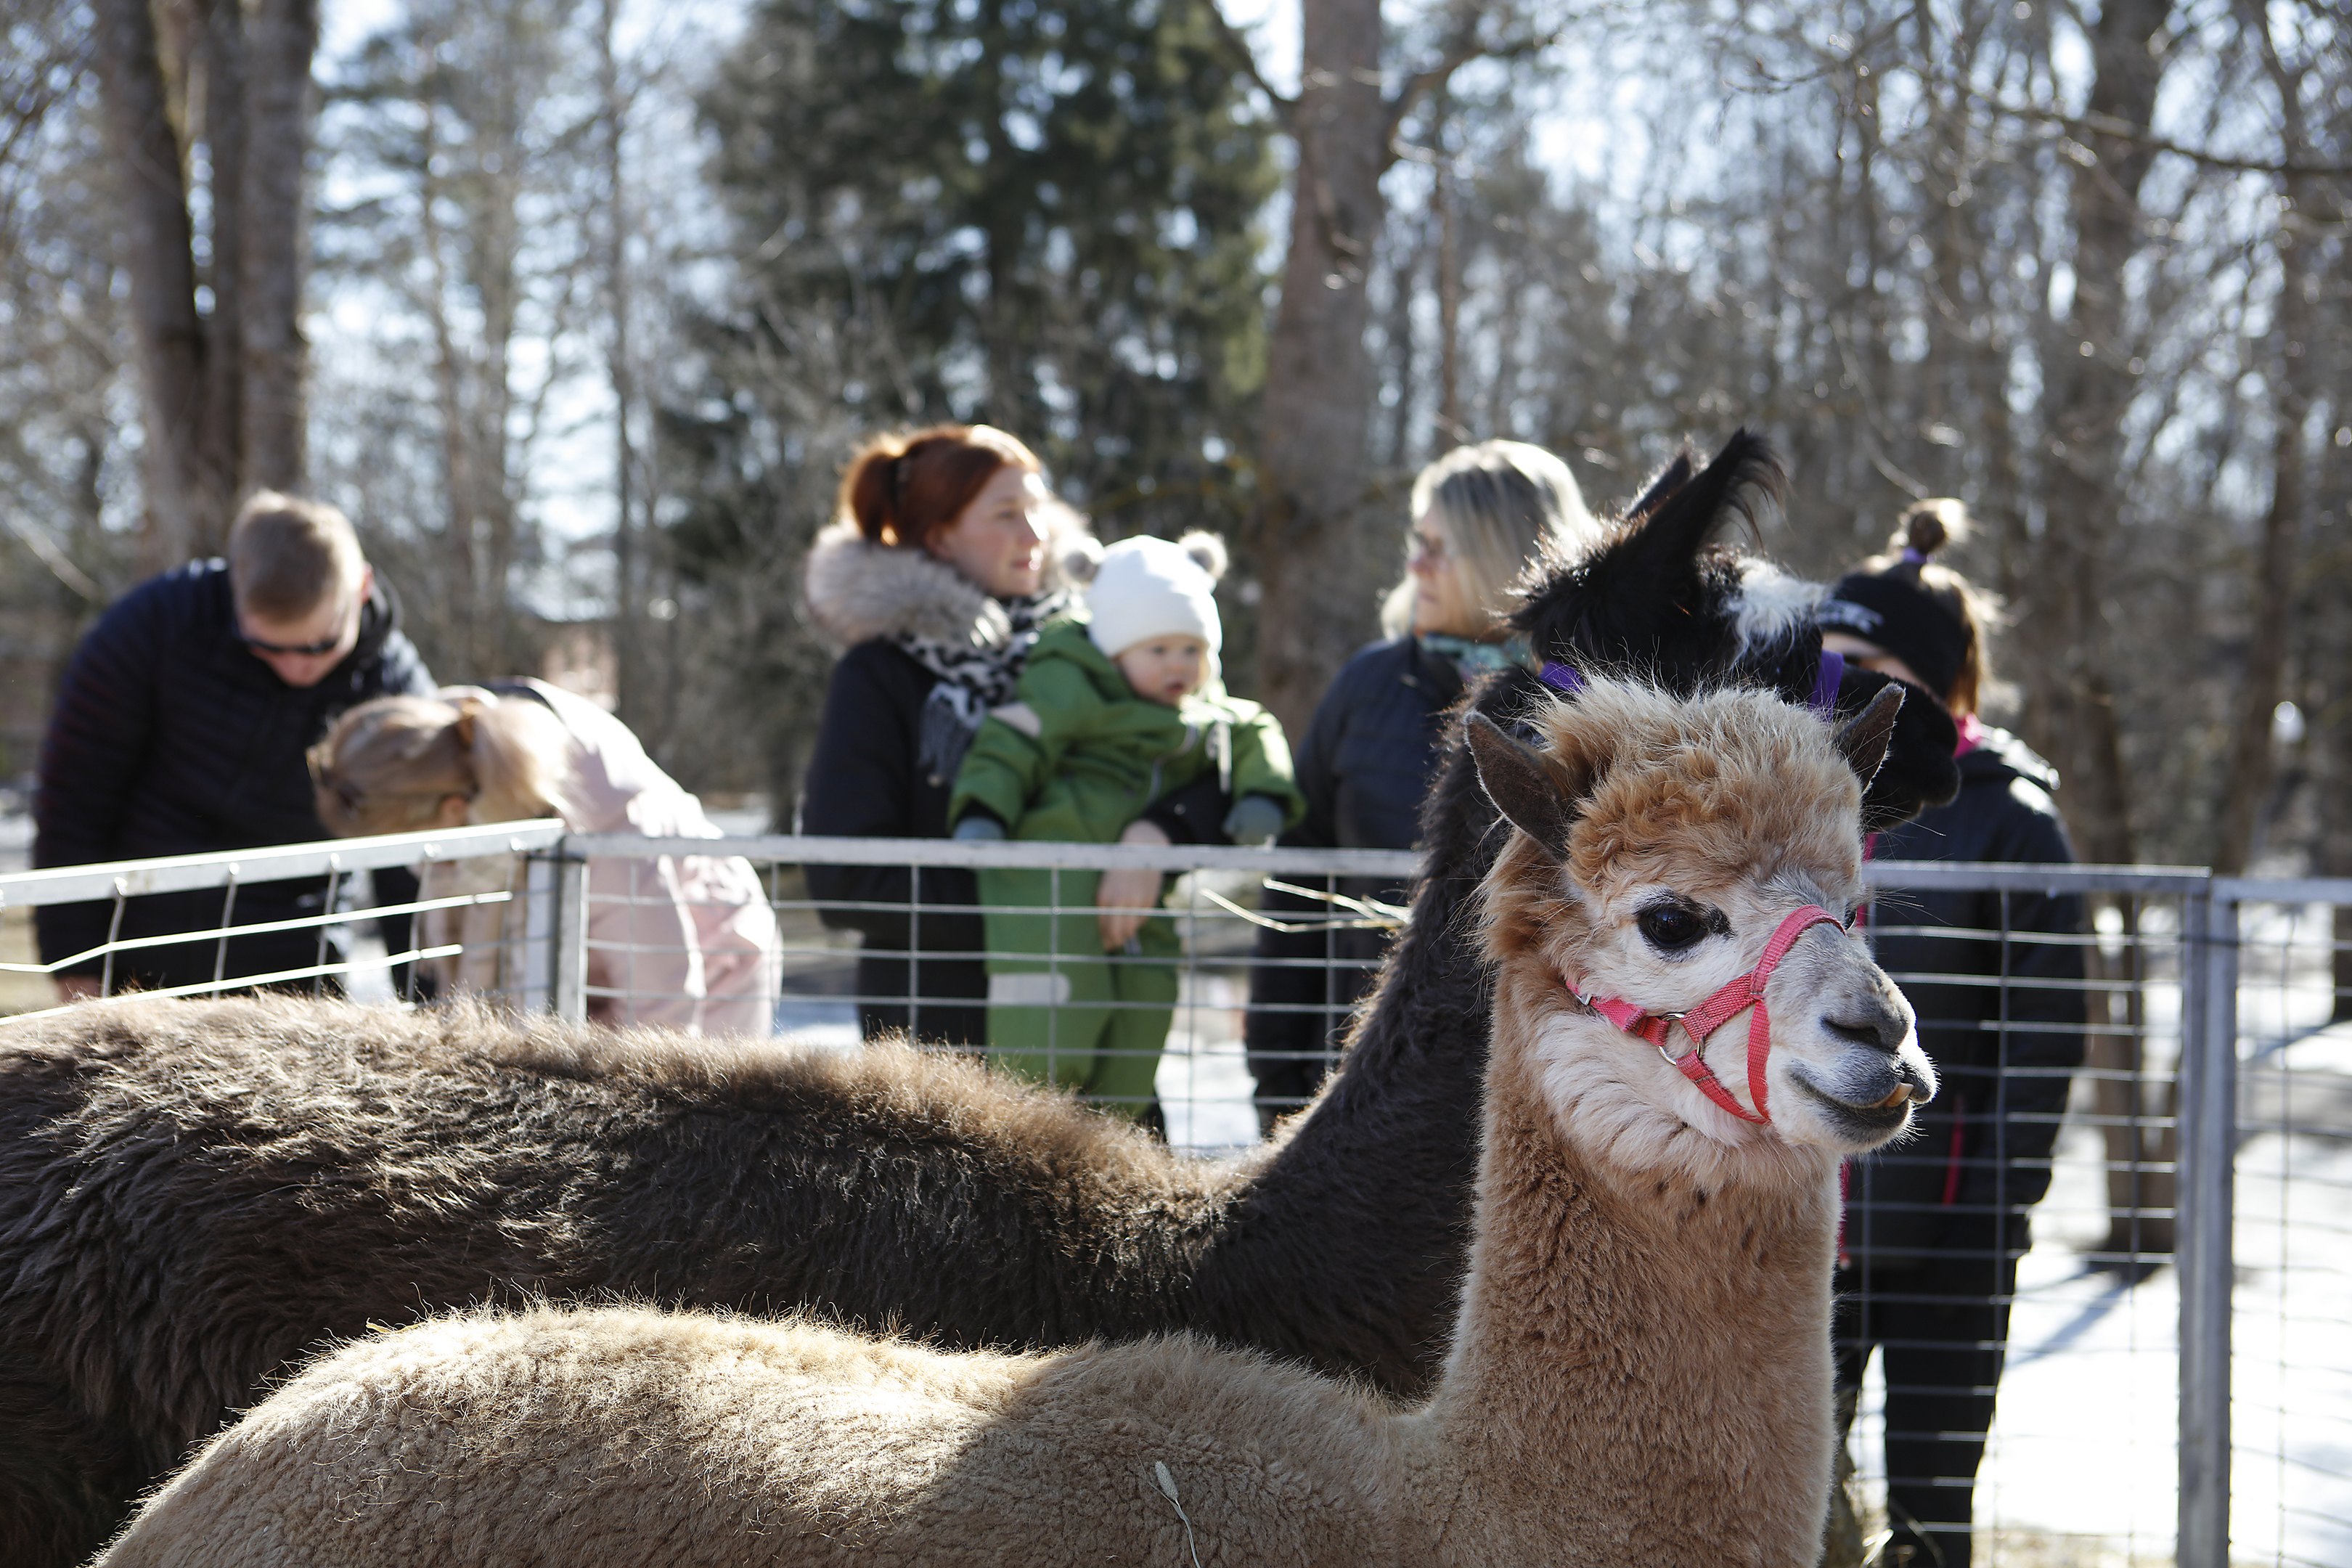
(1746, 992)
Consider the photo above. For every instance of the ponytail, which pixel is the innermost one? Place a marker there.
(1924, 528)
(1928, 527)
(901, 488)
(386, 766)
(516, 750)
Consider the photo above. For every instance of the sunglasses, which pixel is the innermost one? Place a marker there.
(324, 644)
(305, 649)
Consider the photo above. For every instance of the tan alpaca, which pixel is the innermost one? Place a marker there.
(1639, 1371)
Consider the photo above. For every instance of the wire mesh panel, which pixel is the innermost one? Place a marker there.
(2006, 1324)
(352, 917)
(2290, 1366)
(2093, 1313)
(1136, 977)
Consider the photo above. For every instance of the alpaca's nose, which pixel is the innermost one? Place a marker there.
(1913, 1069)
(1874, 1024)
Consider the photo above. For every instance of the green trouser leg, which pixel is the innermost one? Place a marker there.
(1143, 981)
(1054, 1014)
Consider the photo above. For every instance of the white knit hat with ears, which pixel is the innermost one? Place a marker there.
(1145, 588)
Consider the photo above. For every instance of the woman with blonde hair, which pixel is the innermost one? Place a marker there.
(1480, 514)
(686, 941)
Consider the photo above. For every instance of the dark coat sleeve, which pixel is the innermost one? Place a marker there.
(1997, 982)
(1192, 812)
(2039, 1043)
(403, 673)
(96, 748)
(1291, 986)
(861, 785)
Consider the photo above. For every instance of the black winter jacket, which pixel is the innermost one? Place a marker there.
(169, 737)
(2006, 1053)
(863, 782)
(1365, 764)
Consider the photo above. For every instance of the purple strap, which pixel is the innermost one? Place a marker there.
(1563, 678)
(1823, 701)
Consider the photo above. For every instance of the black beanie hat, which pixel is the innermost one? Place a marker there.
(1886, 604)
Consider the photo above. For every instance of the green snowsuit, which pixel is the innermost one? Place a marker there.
(1076, 760)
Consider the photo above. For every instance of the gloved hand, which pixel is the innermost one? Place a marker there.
(979, 828)
(1254, 819)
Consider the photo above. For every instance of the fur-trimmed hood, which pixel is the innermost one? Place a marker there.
(857, 590)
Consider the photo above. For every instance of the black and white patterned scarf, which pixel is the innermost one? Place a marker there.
(972, 680)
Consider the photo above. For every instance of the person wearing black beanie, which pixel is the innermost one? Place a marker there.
(1928, 1260)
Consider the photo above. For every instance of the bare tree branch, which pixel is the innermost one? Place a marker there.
(1284, 105)
(2141, 136)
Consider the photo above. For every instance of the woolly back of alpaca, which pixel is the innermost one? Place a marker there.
(1639, 1370)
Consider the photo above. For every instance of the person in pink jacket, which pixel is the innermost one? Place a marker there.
(684, 940)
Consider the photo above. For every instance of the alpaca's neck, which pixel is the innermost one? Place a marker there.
(1641, 1369)
(1373, 1189)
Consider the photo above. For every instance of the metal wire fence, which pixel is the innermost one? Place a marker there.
(2093, 1314)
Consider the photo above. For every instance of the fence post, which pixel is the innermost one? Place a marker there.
(537, 955)
(2205, 1261)
(555, 932)
(571, 934)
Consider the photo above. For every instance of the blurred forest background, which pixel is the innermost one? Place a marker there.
(577, 308)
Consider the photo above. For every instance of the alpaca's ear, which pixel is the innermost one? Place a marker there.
(1744, 483)
(1863, 739)
(1659, 491)
(1523, 788)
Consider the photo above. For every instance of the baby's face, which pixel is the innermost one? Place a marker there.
(1165, 669)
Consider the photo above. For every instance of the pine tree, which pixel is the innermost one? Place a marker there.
(1041, 216)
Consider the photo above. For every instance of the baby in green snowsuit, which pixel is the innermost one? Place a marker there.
(1116, 707)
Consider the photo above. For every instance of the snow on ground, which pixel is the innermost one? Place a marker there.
(2081, 1465)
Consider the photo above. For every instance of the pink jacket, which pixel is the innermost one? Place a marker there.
(686, 941)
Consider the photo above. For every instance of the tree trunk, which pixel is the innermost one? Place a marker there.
(284, 36)
(156, 239)
(2295, 353)
(2139, 1131)
(1319, 568)
(1452, 428)
(629, 694)
(458, 528)
(225, 127)
(1403, 346)
(2089, 395)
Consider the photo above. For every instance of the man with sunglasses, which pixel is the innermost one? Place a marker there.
(181, 725)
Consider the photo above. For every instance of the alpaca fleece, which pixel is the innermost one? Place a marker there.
(1639, 1370)
(194, 1196)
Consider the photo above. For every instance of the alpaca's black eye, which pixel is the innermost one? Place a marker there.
(1670, 928)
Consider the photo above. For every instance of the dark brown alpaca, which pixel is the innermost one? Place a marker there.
(193, 1196)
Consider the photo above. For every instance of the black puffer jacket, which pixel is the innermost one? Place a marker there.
(1365, 764)
(2006, 1053)
(169, 737)
(864, 781)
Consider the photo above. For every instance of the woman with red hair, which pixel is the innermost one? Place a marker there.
(941, 563)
